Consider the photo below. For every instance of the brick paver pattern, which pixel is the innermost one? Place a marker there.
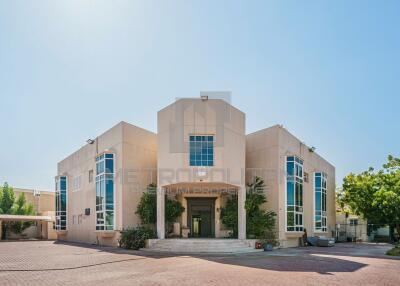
(56, 263)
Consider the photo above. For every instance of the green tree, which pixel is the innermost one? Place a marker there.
(375, 195)
(173, 210)
(7, 199)
(20, 207)
(258, 221)
(229, 215)
(10, 205)
(147, 207)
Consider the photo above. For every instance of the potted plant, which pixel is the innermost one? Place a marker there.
(258, 245)
(269, 241)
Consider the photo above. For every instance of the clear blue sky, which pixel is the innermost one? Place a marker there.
(327, 70)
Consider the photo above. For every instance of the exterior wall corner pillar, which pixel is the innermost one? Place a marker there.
(241, 212)
(160, 213)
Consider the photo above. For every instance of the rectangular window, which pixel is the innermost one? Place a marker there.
(353, 221)
(201, 150)
(61, 203)
(105, 192)
(320, 217)
(294, 194)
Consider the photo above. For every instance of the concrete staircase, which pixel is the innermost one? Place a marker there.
(198, 245)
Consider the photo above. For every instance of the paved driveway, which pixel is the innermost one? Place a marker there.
(52, 263)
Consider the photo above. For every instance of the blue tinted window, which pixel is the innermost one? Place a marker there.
(317, 201)
(63, 183)
(109, 166)
(318, 182)
(201, 150)
(105, 192)
(294, 194)
(290, 193)
(109, 191)
(61, 203)
(100, 167)
(290, 168)
(320, 202)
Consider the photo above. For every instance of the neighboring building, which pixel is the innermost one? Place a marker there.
(201, 156)
(43, 203)
(351, 227)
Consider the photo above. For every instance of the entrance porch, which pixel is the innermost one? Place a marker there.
(202, 202)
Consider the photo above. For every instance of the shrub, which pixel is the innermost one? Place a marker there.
(173, 210)
(135, 238)
(229, 215)
(258, 221)
(147, 207)
(395, 251)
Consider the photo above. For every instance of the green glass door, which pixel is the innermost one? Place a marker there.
(201, 217)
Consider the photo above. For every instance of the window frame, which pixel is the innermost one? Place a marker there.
(102, 177)
(323, 202)
(202, 162)
(352, 222)
(298, 210)
(58, 200)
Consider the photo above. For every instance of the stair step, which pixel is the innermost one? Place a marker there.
(201, 246)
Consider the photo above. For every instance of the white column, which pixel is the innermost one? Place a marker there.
(160, 213)
(241, 213)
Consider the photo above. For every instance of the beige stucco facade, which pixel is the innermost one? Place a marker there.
(135, 152)
(266, 153)
(142, 157)
(191, 117)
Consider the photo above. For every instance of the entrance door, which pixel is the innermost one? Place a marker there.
(201, 214)
(196, 226)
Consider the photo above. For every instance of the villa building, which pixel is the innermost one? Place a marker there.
(200, 156)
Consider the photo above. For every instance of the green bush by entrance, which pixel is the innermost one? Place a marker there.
(147, 207)
(259, 223)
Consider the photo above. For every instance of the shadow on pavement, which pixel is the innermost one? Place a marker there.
(296, 260)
